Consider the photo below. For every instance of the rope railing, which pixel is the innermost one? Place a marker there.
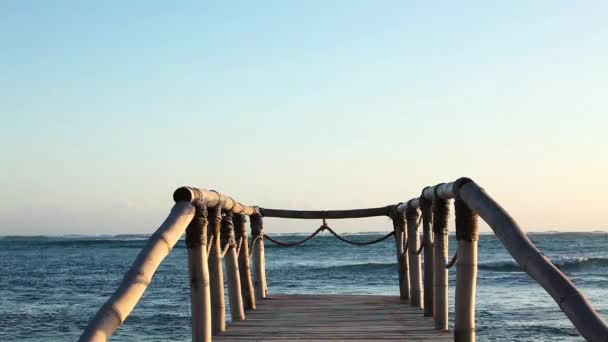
(359, 243)
(295, 243)
(196, 209)
(325, 227)
(452, 261)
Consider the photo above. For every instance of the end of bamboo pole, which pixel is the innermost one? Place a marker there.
(459, 183)
(185, 194)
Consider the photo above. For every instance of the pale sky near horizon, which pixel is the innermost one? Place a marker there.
(107, 107)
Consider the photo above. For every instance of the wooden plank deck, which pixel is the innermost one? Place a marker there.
(335, 318)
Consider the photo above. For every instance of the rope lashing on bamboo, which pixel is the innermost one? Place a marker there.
(452, 261)
(194, 235)
(227, 237)
(405, 246)
(423, 240)
(425, 209)
(441, 213)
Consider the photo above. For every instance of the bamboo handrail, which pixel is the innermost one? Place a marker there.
(212, 198)
(570, 300)
(136, 280)
(471, 200)
(327, 214)
(118, 307)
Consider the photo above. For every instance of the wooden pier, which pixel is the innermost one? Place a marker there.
(333, 318)
(216, 236)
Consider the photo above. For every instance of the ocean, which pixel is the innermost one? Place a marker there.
(50, 287)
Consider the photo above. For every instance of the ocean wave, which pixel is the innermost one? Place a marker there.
(362, 267)
(76, 241)
(563, 263)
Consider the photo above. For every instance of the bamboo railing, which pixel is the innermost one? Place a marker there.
(216, 233)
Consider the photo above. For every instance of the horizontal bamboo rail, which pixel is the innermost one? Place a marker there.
(118, 307)
(326, 214)
(244, 288)
(212, 198)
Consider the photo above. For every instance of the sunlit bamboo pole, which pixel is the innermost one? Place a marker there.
(212, 198)
(402, 260)
(467, 236)
(441, 212)
(240, 226)
(570, 300)
(232, 269)
(200, 300)
(258, 257)
(216, 273)
(136, 280)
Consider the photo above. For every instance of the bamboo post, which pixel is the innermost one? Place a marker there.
(259, 260)
(216, 273)
(467, 236)
(232, 269)
(429, 264)
(196, 242)
(240, 223)
(111, 315)
(412, 216)
(571, 301)
(402, 259)
(441, 212)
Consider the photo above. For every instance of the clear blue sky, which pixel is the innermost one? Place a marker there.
(107, 107)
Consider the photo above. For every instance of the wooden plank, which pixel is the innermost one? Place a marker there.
(334, 318)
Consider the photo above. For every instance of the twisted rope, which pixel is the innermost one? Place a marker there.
(253, 243)
(405, 247)
(452, 261)
(296, 243)
(239, 245)
(338, 236)
(421, 247)
(359, 243)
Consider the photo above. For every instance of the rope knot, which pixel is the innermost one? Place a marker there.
(196, 233)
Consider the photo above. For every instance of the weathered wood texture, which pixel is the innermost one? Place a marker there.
(333, 317)
(200, 298)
